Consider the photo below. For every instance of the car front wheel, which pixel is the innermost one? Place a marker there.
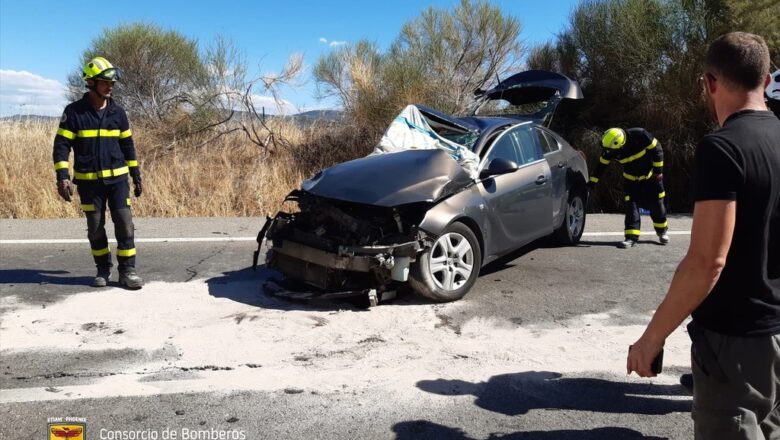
(448, 270)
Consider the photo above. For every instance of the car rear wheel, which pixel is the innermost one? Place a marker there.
(448, 270)
(570, 231)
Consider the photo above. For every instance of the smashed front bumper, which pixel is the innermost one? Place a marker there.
(314, 268)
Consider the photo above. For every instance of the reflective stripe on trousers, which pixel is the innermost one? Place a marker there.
(645, 193)
(95, 198)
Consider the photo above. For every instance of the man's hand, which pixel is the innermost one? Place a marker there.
(641, 356)
(659, 177)
(139, 188)
(65, 189)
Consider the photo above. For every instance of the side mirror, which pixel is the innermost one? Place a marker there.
(497, 167)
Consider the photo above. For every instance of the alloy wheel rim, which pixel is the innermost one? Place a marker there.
(574, 216)
(451, 261)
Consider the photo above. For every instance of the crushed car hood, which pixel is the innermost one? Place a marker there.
(391, 179)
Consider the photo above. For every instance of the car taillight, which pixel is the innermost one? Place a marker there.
(582, 155)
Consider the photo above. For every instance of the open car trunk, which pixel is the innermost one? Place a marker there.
(531, 87)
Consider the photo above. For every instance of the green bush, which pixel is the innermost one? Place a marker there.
(438, 59)
(167, 83)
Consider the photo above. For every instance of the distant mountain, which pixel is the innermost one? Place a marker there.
(31, 118)
(319, 115)
(303, 118)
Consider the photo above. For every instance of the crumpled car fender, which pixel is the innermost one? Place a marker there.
(467, 206)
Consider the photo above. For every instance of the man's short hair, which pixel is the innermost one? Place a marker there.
(742, 59)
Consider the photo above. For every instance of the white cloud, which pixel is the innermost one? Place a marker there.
(231, 99)
(22, 92)
(324, 40)
(285, 107)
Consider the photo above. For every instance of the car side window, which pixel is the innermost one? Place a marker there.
(543, 142)
(529, 148)
(552, 141)
(504, 148)
(546, 141)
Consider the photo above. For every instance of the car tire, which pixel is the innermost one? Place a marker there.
(573, 225)
(447, 271)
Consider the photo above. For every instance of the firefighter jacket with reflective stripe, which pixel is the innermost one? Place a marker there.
(102, 144)
(641, 156)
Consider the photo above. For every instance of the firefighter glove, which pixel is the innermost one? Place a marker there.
(65, 189)
(138, 187)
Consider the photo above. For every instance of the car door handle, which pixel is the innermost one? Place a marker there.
(541, 180)
(561, 164)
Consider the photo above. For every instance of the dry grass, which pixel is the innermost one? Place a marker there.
(226, 177)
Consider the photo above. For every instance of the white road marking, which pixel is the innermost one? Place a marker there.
(137, 240)
(253, 238)
(609, 234)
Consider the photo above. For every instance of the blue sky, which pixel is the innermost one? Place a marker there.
(41, 41)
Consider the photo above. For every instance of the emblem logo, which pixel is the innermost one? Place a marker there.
(67, 431)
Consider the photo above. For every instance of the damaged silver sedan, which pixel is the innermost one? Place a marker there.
(440, 198)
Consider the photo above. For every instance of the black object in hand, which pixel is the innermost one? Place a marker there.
(657, 366)
(658, 363)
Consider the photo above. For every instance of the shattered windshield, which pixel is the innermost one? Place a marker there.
(453, 133)
(467, 139)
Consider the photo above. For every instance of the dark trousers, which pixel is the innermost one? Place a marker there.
(95, 197)
(736, 386)
(648, 194)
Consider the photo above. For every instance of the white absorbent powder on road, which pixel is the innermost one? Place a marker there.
(229, 346)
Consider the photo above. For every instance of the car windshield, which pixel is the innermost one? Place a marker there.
(452, 132)
(467, 139)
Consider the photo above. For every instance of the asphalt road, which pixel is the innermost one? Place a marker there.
(535, 351)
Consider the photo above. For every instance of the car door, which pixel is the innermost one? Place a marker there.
(518, 202)
(554, 156)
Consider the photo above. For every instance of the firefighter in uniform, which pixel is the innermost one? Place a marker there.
(97, 130)
(643, 161)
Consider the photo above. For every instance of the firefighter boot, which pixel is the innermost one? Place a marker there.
(130, 279)
(102, 277)
(627, 243)
(663, 238)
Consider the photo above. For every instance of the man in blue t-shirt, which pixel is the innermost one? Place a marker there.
(729, 280)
